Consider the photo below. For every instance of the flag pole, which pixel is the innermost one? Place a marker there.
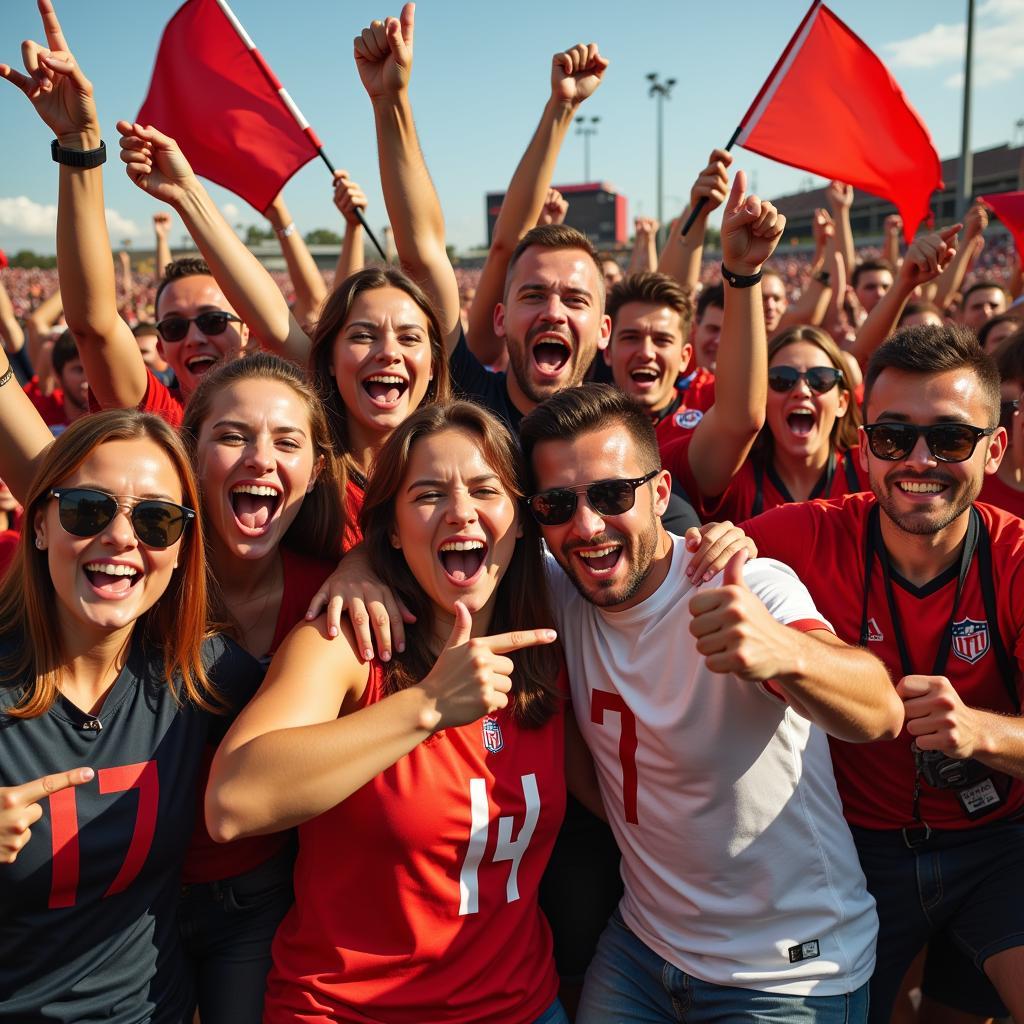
(291, 107)
(780, 64)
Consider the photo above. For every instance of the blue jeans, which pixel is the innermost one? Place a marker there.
(628, 983)
(554, 1014)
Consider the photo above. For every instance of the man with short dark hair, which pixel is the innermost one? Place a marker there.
(70, 374)
(743, 896)
(870, 280)
(980, 302)
(931, 581)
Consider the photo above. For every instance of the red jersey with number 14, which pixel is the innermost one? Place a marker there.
(416, 898)
(825, 543)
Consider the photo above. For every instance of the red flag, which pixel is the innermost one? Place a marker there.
(214, 93)
(1009, 208)
(830, 107)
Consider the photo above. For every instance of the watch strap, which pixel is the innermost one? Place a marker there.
(78, 157)
(740, 280)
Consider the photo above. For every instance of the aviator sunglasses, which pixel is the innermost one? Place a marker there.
(84, 512)
(606, 498)
(820, 379)
(947, 442)
(174, 328)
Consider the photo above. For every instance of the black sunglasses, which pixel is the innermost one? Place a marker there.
(84, 512)
(606, 498)
(1006, 410)
(174, 328)
(948, 442)
(820, 379)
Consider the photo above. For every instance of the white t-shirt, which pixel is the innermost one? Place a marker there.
(738, 865)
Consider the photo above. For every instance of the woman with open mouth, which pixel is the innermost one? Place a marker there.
(109, 691)
(807, 447)
(423, 918)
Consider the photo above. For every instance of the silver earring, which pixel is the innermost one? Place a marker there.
(39, 543)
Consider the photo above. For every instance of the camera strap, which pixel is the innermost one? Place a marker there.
(822, 489)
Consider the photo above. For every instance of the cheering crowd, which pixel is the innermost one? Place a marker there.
(380, 647)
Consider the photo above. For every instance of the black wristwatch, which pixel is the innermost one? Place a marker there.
(78, 157)
(740, 280)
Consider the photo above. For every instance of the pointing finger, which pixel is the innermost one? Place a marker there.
(503, 643)
(38, 789)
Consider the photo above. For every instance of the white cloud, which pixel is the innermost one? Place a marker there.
(27, 217)
(998, 46)
(230, 212)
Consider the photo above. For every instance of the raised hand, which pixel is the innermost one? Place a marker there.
(840, 195)
(928, 256)
(383, 53)
(576, 73)
(734, 631)
(936, 716)
(823, 228)
(471, 677)
(162, 224)
(975, 220)
(713, 545)
(712, 183)
(894, 225)
(554, 209)
(348, 197)
(751, 229)
(56, 86)
(645, 227)
(154, 162)
(21, 807)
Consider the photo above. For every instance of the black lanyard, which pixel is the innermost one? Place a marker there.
(668, 409)
(823, 486)
(876, 545)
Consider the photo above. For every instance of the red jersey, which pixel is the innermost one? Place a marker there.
(158, 399)
(207, 861)
(826, 544)
(8, 546)
(692, 399)
(354, 495)
(757, 487)
(416, 898)
(1002, 495)
(50, 407)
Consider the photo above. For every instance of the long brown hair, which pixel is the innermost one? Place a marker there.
(321, 521)
(521, 601)
(334, 314)
(175, 624)
(844, 436)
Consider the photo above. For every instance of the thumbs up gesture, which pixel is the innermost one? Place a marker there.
(383, 53)
(472, 676)
(751, 229)
(734, 631)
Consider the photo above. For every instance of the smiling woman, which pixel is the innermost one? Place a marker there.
(465, 725)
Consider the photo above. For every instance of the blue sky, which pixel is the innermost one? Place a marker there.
(480, 80)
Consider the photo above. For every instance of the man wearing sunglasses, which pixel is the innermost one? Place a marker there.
(716, 783)
(931, 581)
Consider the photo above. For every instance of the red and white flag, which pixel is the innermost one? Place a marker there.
(213, 93)
(831, 107)
(1009, 208)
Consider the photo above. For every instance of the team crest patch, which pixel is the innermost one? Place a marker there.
(970, 639)
(688, 418)
(875, 631)
(493, 741)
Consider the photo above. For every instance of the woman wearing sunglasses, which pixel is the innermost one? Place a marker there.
(446, 762)
(802, 451)
(108, 686)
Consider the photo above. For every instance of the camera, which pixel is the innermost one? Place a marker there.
(942, 772)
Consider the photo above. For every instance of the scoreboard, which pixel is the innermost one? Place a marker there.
(595, 209)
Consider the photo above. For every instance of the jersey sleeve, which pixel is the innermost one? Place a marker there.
(469, 375)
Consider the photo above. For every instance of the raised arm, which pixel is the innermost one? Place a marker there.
(951, 279)
(682, 254)
(383, 54)
(62, 96)
(156, 164)
(645, 245)
(308, 282)
(751, 229)
(926, 258)
(840, 199)
(575, 74)
(348, 198)
(10, 330)
(23, 434)
(891, 247)
(162, 234)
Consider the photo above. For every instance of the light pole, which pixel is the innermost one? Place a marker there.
(662, 91)
(587, 131)
(965, 175)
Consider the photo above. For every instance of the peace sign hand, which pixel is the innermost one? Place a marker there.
(55, 85)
